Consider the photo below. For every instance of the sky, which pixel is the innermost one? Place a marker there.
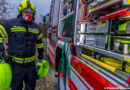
(42, 8)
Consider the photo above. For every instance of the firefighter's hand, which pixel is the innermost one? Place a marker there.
(40, 54)
(7, 58)
(2, 55)
(40, 57)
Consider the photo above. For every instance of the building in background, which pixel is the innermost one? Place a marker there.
(44, 26)
(46, 19)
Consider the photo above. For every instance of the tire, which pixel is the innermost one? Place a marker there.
(62, 81)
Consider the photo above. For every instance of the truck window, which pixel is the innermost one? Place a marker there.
(68, 28)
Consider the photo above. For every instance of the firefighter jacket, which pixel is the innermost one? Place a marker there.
(23, 38)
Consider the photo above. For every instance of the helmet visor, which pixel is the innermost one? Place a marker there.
(27, 10)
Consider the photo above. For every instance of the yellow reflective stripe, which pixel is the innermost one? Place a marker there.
(33, 30)
(27, 61)
(30, 58)
(1, 40)
(24, 60)
(3, 32)
(40, 45)
(20, 30)
(17, 58)
(40, 36)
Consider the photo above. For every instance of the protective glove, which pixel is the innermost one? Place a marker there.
(2, 55)
(8, 58)
(40, 53)
(40, 57)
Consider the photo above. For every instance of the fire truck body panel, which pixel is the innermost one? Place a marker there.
(85, 74)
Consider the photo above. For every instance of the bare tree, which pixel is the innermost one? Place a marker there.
(5, 7)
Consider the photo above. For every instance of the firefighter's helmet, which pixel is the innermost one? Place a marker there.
(42, 68)
(5, 75)
(26, 5)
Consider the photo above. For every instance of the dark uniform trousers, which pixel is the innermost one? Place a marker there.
(26, 72)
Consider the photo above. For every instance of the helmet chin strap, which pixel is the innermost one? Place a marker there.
(27, 17)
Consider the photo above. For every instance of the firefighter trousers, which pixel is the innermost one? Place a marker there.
(24, 73)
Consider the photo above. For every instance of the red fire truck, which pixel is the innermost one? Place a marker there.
(89, 43)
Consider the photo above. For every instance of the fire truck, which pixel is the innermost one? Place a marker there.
(88, 44)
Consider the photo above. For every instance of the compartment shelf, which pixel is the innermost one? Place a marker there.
(124, 76)
(107, 74)
(119, 13)
(102, 5)
(122, 57)
(123, 14)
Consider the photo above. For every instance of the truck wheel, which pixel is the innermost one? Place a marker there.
(61, 80)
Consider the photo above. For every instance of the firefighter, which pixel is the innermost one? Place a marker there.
(23, 37)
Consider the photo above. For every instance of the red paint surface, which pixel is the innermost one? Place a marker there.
(54, 31)
(85, 12)
(59, 38)
(72, 86)
(80, 79)
(61, 74)
(119, 13)
(129, 80)
(54, 27)
(53, 64)
(90, 76)
(52, 44)
(51, 53)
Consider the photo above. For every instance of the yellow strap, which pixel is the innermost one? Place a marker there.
(40, 45)
(40, 36)
(3, 32)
